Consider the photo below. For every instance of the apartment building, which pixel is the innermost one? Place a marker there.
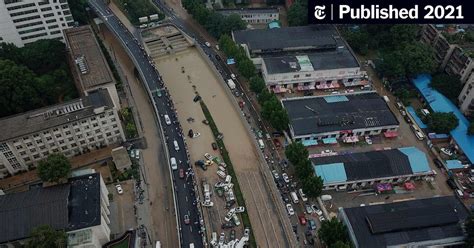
(302, 58)
(80, 207)
(70, 128)
(442, 49)
(253, 15)
(26, 21)
(466, 98)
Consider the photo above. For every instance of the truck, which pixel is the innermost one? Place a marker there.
(231, 84)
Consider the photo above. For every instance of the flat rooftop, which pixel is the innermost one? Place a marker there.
(90, 63)
(371, 165)
(21, 212)
(45, 118)
(84, 201)
(407, 222)
(306, 37)
(323, 114)
(339, 58)
(239, 11)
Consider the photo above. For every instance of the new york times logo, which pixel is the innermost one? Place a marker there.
(319, 12)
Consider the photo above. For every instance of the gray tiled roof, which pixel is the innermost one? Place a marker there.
(407, 222)
(314, 115)
(20, 213)
(48, 117)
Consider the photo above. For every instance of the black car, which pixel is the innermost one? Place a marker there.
(218, 57)
(197, 98)
(451, 184)
(228, 225)
(438, 163)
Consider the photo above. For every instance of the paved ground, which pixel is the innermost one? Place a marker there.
(155, 167)
(263, 215)
(122, 216)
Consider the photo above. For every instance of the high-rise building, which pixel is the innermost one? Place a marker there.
(26, 21)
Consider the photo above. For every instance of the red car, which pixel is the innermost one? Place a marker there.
(181, 173)
(277, 143)
(186, 219)
(302, 220)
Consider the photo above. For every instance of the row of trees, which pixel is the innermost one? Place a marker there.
(272, 110)
(33, 76)
(334, 234)
(448, 85)
(135, 9)
(298, 13)
(440, 122)
(297, 154)
(216, 24)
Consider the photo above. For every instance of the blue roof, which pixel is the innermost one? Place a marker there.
(331, 173)
(417, 119)
(336, 98)
(454, 164)
(440, 103)
(417, 159)
(330, 141)
(273, 24)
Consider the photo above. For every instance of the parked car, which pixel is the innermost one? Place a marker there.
(446, 151)
(232, 75)
(438, 163)
(302, 220)
(275, 174)
(228, 225)
(239, 209)
(119, 189)
(368, 140)
(285, 177)
(312, 224)
(232, 234)
(277, 143)
(181, 173)
(451, 184)
(207, 44)
(321, 218)
(214, 146)
(290, 210)
(308, 209)
(186, 219)
(208, 156)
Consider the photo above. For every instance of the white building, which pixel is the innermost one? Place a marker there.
(71, 128)
(80, 207)
(302, 58)
(26, 21)
(253, 15)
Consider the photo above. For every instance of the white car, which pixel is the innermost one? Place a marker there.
(308, 208)
(239, 210)
(246, 233)
(368, 140)
(285, 178)
(446, 151)
(195, 135)
(119, 189)
(221, 239)
(217, 47)
(275, 174)
(316, 210)
(208, 156)
(290, 210)
(321, 218)
(167, 120)
(176, 146)
(137, 154)
(229, 215)
(207, 44)
(233, 76)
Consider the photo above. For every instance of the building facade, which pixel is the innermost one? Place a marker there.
(253, 15)
(466, 98)
(26, 21)
(72, 128)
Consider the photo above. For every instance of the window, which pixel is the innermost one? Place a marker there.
(26, 159)
(73, 145)
(117, 131)
(19, 147)
(56, 150)
(49, 138)
(95, 125)
(26, 18)
(56, 32)
(29, 144)
(61, 142)
(22, 153)
(91, 139)
(104, 122)
(108, 134)
(97, 131)
(32, 150)
(36, 156)
(48, 15)
(58, 136)
(46, 9)
(42, 147)
(31, 30)
(100, 137)
(82, 142)
(68, 132)
(29, 24)
(71, 139)
(39, 141)
(23, 12)
(56, 129)
(63, 148)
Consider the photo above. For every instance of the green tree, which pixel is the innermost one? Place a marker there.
(403, 34)
(246, 67)
(264, 96)
(470, 130)
(78, 11)
(46, 237)
(296, 152)
(359, 40)
(130, 130)
(279, 119)
(54, 168)
(469, 226)
(298, 13)
(332, 231)
(44, 56)
(340, 244)
(442, 122)
(17, 89)
(418, 58)
(257, 85)
(448, 85)
(11, 52)
(312, 185)
(304, 168)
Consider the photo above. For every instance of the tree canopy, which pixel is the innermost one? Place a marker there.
(333, 231)
(442, 122)
(135, 9)
(34, 76)
(54, 168)
(448, 85)
(46, 237)
(408, 60)
(298, 13)
(296, 152)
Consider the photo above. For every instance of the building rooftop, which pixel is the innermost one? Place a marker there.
(52, 116)
(322, 114)
(370, 165)
(407, 222)
(121, 158)
(440, 103)
(316, 37)
(230, 11)
(341, 57)
(91, 66)
(20, 213)
(84, 201)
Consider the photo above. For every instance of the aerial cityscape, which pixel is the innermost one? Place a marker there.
(231, 124)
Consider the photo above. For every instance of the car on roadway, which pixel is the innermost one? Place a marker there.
(181, 173)
(207, 44)
(277, 143)
(208, 156)
(446, 151)
(302, 220)
(228, 225)
(167, 120)
(247, 233)
(286, 178)
(312, 224)
(302, 195)
(217, 47)
(214, 146)
(275, 174)
(232, 75)
(119, 189)
(321, 218)
(240, 209)
(308, 208)
(176, 146)
(290, 209)
(232, 234)
(316, 210)
(186, 219)
(229, 215)
(438, 163)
